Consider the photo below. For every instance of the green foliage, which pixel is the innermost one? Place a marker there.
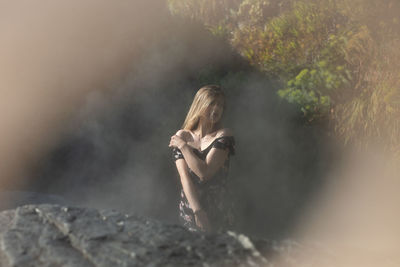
(220, 31)
(255, 13)
(210, 12)
(308, 49)
(371, 116)
(337, 59)
(290, 41)
(308, 87)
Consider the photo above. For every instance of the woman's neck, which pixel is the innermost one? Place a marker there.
(204, 129)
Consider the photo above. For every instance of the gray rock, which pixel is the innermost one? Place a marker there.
(52, 235)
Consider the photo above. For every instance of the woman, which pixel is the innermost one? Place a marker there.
(201, 150)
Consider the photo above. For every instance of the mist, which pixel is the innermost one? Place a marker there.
(52, 55)
(93, 91)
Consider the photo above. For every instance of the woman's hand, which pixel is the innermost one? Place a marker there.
(177, 142)
(202, 220)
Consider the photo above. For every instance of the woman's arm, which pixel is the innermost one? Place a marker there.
(187, 185)
(204, 169)
(201, 218)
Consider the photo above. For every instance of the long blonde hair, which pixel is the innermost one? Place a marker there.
(202, 100)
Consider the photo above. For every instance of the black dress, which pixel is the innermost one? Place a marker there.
(214, 195)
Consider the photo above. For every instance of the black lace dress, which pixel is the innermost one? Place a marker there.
(214, 195)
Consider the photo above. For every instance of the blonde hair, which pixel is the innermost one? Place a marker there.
(202, 100)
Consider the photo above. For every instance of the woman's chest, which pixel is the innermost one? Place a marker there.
(201, 144)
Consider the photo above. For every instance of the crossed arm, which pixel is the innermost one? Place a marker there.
(187, 185)
(204, 169)
(201, 218)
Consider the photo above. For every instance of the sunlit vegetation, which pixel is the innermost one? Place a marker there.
(338, 61)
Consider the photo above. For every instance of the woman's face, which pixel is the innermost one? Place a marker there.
(214, 111)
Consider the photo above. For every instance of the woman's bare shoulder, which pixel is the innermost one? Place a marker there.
(185, 134)
(224, 132)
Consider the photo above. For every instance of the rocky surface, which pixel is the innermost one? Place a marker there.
(52, 235)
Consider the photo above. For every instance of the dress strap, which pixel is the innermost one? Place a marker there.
(177, 154)
(225, 142)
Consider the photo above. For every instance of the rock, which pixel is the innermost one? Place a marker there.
(52, 235)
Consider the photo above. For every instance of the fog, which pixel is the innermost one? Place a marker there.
(92, 92)
(52, 55)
